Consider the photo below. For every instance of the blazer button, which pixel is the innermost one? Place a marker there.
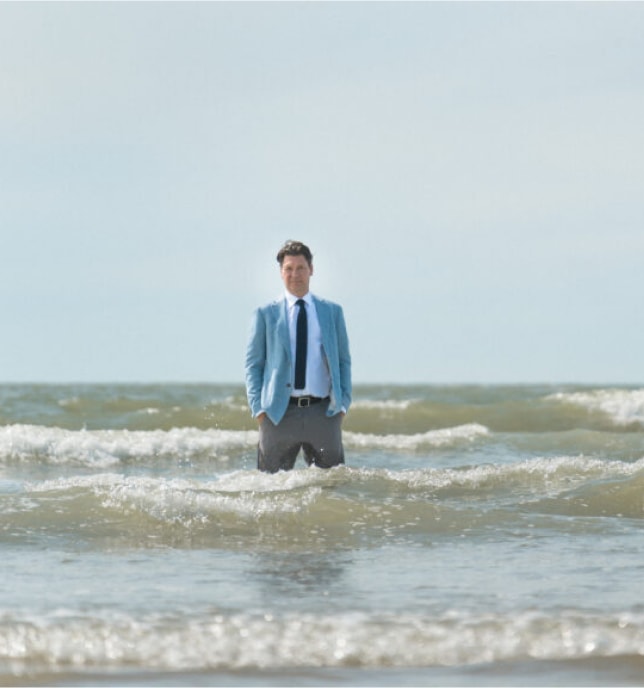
(288, 384)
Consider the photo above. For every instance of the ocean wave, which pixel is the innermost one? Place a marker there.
(389, 410)
(70, 640)
(128, 508)
(622, 406)
(432, 438)
(546, 475)
(565, 485)
(311, 505)
(105, 448)
(108, 448)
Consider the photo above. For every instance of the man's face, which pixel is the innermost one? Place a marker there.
(296, 273)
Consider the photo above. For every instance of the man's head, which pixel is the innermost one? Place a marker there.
(295, 248)
(296, 267)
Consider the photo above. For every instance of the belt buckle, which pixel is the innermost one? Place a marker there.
(303, 402)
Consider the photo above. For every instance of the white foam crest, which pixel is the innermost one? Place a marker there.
(433, 438)
(263, 641)
(551, 473)
(104, 448)
(622, 406)
(189, 502)
(284, 481)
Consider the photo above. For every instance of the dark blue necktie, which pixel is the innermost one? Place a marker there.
(300, 346)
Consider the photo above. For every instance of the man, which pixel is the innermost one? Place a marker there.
(298, 371)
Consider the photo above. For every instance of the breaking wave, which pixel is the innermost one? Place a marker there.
(65, 641)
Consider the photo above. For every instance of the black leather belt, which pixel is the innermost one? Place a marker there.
(303, 402)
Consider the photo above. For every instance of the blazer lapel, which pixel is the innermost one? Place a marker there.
(281, 324)
(323, 318)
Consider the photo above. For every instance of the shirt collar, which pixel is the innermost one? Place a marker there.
(291, 299)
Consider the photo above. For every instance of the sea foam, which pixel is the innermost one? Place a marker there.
(264, 640)
(105, 448)
(432, 438)
(622, 406)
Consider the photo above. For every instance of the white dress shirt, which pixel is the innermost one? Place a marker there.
(318, 380)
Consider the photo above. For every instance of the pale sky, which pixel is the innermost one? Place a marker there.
(469, 177)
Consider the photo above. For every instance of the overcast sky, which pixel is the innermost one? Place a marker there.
(469, 177)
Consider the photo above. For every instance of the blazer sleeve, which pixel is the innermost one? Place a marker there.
(344, 359)
(255, 362)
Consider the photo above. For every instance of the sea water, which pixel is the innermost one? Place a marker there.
(477, 535)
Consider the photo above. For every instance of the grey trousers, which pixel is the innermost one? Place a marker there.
(310, 429)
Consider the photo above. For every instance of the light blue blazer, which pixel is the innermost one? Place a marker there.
(268, 358)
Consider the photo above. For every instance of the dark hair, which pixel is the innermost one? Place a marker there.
(295, 248)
